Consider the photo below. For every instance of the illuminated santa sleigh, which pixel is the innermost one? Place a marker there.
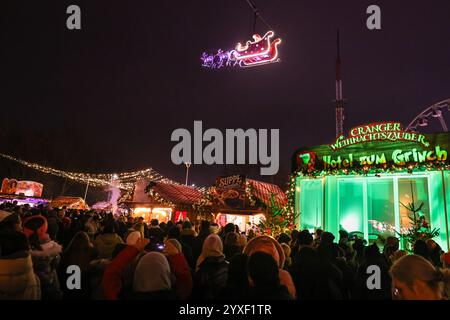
(262, 50)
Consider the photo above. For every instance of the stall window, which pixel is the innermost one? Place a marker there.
(413, 190)
(380, 208)
(351, 205)
(311, 203)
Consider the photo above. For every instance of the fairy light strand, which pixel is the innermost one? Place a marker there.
(126, 180)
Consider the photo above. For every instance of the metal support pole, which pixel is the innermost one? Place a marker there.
(86, 191)
(187, 164)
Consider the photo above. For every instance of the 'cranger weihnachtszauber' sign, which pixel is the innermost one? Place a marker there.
(377, 145)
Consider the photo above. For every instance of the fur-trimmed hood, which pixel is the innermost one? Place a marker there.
(50, 248)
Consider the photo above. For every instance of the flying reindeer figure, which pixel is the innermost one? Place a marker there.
(208, 60)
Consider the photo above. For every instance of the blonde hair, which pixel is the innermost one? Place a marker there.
(413, 267)
(287, 254)
(286, 249)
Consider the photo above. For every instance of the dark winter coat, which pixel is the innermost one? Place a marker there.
(360, 289)
(155, 233)
(210, 279)
(45, 264)
(188, 237)
(198, 244)
(316, 278)
(231, 251)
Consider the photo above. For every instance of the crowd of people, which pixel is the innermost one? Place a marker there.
(124, 258)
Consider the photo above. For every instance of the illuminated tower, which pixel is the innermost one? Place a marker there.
(339, 101)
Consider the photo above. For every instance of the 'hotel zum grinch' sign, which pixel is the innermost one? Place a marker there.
(377, 145)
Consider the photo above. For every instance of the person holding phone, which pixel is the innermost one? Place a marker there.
(150, 277)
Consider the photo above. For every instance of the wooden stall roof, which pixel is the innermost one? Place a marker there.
(263, 191)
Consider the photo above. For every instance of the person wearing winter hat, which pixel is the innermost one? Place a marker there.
(211, 271)
(17, 278)
(174, 233)
(264, 278)
(180, 268)
(45, 254)
(152, 278)
(231, 247)
(212, 247)
(175, 244)
(268, 245)
(242, 241)
(133, 237)
(116, 276)
(271, 246)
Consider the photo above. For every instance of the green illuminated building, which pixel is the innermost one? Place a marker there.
(359, 183)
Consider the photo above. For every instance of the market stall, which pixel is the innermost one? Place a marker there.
(69, 202)
(242, 201)
(164, 201)
(373, 182)
(23, 192)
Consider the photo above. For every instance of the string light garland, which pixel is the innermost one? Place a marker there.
(124, 180)
(249, 192)
(207, 200)
(159, 199)
(361, 171)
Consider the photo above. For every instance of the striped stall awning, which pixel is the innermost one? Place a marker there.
(178, 194)
(264, 190)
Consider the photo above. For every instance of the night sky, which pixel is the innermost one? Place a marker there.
(107, 98)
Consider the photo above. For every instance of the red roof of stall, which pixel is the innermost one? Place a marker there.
(263, 191)
(177, 193)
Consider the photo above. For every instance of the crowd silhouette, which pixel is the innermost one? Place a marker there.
(122, 258)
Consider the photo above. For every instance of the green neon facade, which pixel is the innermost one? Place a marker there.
(360, 204)
(370, 204)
